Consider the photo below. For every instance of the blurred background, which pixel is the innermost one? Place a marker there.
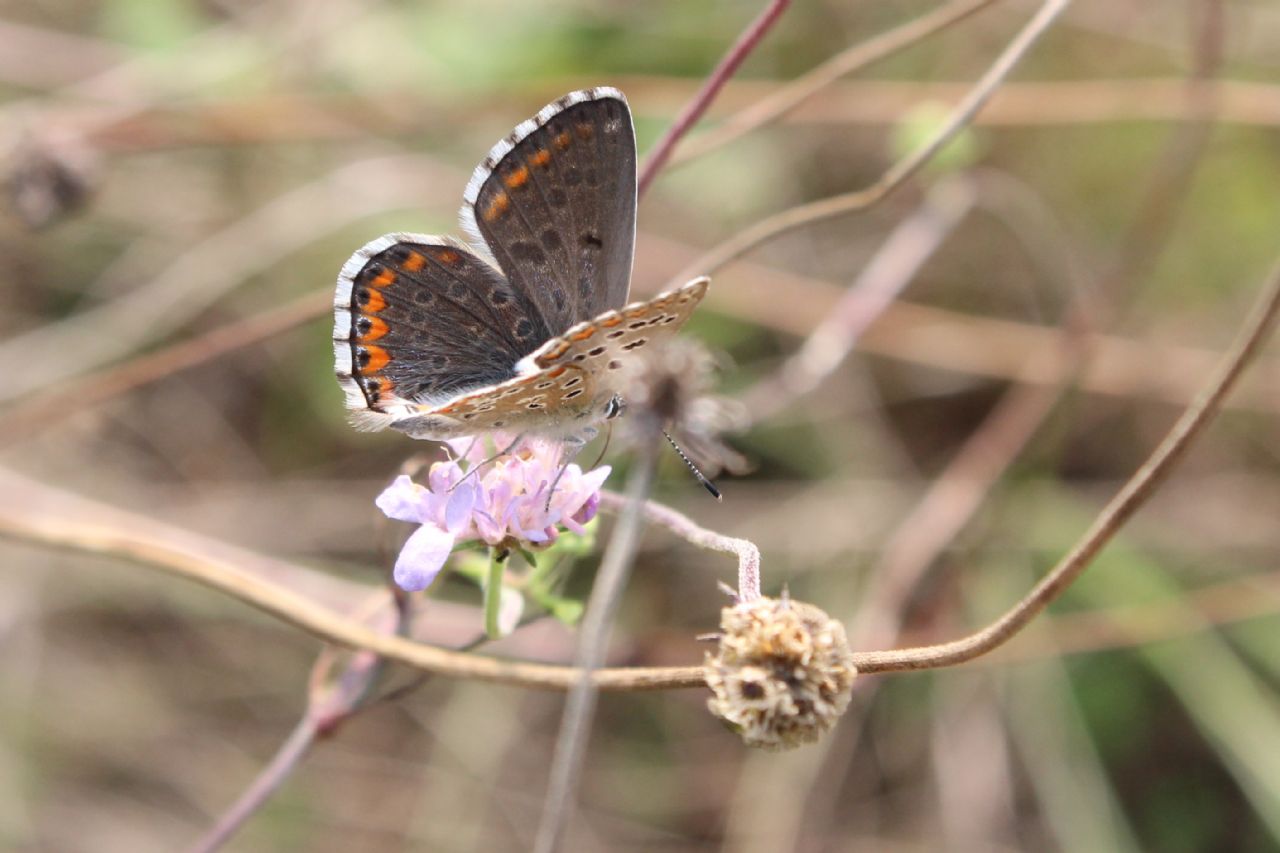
(184, 179)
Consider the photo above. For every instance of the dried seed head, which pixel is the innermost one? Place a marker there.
(782, 672)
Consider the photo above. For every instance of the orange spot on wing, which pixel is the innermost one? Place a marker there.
(378, 359)
(610, 322)
(375, 303)
(584, 334)
(377, 329)
(563, 139)
(448, 256)
(559, 371)
(384, 278)
(540, 158)
(414, 262)
(517, 179)
(557, 352)
(497, 206)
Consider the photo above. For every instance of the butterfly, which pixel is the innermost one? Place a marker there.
(526, 328)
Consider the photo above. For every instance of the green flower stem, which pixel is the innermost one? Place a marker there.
(493, 592)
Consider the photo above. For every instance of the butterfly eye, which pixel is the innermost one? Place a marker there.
(614, 407)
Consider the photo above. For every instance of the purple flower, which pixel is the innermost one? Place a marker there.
(504, 503)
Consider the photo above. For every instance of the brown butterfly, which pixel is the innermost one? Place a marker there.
(527, 330)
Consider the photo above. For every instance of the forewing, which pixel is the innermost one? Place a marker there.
(422, 319)
(604, 345)
(559, 381)
(555, 203)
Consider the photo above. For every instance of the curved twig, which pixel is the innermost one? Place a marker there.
(1119, 510)
(898, 173)
(681, 525)
(854, 58)
(657, 157)
(20, 521)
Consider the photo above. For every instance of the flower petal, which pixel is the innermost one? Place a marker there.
(402, 500)
(443, 476)
(587, 511)
(461, 501)
(485, 526)
(422, 557)
(595, 478)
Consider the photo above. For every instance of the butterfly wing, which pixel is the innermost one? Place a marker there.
(420, 319)
(555, 401)
(602, 345)
(566, 381)
(555, 204)
(433, 340)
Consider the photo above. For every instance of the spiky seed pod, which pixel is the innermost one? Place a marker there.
(781, 674)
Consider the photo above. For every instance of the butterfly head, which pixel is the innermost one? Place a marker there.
(613, 407)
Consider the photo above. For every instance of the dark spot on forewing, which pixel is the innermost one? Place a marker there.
(551, 239)
(522, 250)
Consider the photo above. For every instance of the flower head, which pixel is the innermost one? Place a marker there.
(503, 504)
(782, 672)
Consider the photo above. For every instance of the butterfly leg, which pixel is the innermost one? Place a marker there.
(503, 452)
(572, 445)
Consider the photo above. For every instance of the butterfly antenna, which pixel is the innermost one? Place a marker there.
(608, 436)
(568, 453)
(706, 484)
